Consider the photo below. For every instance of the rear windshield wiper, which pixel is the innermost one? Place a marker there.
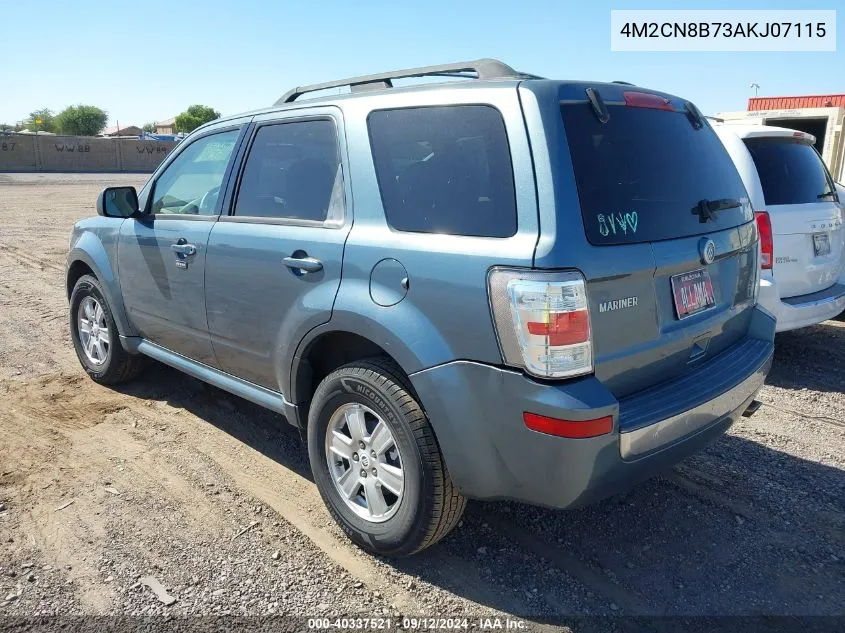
(694, 115)
(599, 108)
(826, 194)
(706, 209)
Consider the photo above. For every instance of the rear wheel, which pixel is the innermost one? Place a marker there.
(376, 461)
(95, 336)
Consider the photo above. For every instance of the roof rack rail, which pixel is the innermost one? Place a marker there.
(478, 69)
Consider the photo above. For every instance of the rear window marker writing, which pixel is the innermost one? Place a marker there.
(617, 222)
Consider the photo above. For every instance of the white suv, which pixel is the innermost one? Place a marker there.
(800, 218)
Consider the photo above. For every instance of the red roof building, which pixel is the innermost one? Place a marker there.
(794, 103)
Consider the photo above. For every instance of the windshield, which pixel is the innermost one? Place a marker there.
(646, 175)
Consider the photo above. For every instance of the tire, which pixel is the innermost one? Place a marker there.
(116, 365)
(430, 505)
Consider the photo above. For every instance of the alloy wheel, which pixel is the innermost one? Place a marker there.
(364, 462)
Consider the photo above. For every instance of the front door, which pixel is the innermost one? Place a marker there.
(273, 265)
(162, 253)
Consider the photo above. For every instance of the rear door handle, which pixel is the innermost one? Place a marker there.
(308, 264)
(184, 249)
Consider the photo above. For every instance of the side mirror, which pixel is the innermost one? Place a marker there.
(118, 202)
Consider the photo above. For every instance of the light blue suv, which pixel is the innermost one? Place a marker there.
(500, 288)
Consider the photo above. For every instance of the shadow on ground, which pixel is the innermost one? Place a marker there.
(810, 358)
(737, 529)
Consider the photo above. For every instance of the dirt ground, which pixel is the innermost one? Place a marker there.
(211, 495)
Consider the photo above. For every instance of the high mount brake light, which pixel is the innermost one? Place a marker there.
(647, 100)
(767, 246)
(543, 321)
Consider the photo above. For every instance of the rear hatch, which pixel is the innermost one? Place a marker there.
(665, 232)
(806, 221)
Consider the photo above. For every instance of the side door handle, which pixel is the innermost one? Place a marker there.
(307, 264)
(184, 249)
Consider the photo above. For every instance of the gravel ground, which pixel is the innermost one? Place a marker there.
(174, 480)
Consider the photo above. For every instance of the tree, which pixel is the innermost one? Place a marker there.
(42, 120)
(82, 120)
(149, 127)
(195, 116)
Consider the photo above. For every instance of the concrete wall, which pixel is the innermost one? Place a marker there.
(17, 153)
(22, 152)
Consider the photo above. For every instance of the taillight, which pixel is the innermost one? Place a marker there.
(767, 246)
(543, 321)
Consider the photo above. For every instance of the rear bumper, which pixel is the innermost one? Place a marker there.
(798, 312)
(476, 411)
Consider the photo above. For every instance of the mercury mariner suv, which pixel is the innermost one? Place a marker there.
(501, 287)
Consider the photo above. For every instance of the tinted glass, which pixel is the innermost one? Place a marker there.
(191, 183)
(641, 174)
(292, 171)
(444, 170)
(791, 172)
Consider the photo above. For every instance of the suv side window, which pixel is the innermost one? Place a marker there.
(444, 169)
(293, 171)
(190, 185)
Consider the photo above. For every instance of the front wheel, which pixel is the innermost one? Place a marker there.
(95, 336)
(376, 461)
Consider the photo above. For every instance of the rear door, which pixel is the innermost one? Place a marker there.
(664, 230)
(800, 198)
(274, 263)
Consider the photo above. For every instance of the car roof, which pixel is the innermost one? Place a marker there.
(338, 99)
(746, 130)
(485, 68)
(480, 74)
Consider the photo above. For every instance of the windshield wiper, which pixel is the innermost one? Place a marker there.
(706, 209)
(599, 108)
(826, 194)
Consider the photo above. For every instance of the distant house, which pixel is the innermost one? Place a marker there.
(168, 126)
(123, 130)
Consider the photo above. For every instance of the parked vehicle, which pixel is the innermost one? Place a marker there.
(504, 288)
(800, 219)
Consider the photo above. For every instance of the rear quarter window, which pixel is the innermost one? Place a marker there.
(641, 174)
(444, 169)
(791, 171)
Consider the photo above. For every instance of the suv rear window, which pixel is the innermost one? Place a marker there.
(791, 172)
(641, 174)
(444, 169)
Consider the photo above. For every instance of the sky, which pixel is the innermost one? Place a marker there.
(147, 61)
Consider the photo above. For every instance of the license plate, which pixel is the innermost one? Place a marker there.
(821, 244)
(693, 292)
